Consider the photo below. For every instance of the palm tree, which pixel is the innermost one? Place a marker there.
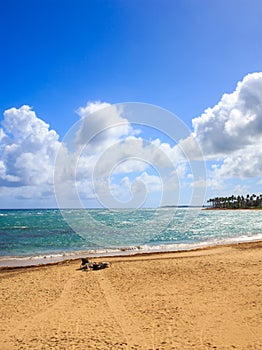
(247, 200)
(236, 202)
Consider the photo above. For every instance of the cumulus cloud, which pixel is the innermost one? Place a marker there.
(235, 122)
(231, 131)
(99, 156)
(104, 145)
(28, 149)
(241, 164)
(106, 154)
(101, 125)
(134, 154)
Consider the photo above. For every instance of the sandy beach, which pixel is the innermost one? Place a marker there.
(204, 299)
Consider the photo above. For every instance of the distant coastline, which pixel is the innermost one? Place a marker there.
(249, 208)
(182, 206)
(203, 207)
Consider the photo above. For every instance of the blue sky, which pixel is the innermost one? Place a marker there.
(179, 55)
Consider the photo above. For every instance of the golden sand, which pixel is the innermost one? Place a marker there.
(205, 299)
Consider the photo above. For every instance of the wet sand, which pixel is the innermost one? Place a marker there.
(204, 299)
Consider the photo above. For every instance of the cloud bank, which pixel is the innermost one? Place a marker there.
(112, 161)
(107, 146)
(106, 157)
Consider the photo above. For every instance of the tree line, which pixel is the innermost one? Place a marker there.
(237, 202)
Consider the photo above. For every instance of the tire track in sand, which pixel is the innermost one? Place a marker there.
(135, 339)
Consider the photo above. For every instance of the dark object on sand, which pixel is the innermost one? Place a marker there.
(88, 265)
(85, 261)
(100, 265)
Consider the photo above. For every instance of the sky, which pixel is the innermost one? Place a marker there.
(68, 70)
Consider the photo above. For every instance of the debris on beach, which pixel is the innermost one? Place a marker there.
(87, 265)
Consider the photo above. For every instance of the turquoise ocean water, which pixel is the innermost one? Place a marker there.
(33, 236)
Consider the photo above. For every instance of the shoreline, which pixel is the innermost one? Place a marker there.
(249, 208)
(125, 255)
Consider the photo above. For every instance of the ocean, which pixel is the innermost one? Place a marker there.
(45, 235)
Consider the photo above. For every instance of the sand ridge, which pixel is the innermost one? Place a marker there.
(205, 299)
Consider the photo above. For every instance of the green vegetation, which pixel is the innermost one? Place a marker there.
(240, 202)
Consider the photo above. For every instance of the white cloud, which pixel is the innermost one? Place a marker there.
(106, 148)
(26, 129)
(235, 122)
(190, 148)
(231, 131)
(134, 192)
(104, 145)
(101, 125)
(241, 164)
(2, 135)
(129, 165)
(28, 150)
(107, 151)
(152, 183)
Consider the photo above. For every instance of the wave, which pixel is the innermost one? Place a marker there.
(41, 259)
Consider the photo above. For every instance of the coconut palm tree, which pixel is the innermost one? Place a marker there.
(236, 202)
